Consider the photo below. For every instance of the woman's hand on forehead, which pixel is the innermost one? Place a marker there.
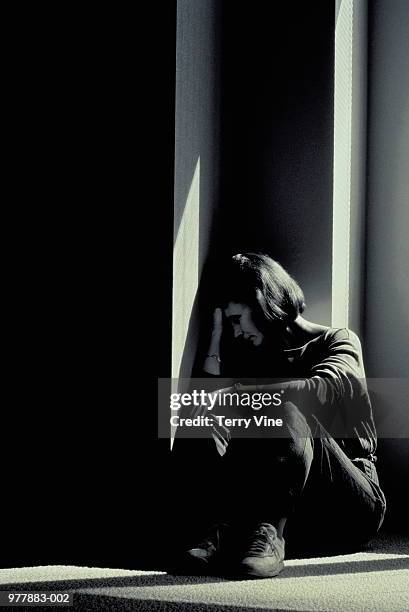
(218, 319)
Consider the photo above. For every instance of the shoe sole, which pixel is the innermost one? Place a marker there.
(246, 571)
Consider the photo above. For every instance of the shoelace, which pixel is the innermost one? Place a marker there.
(212, 539)
(260, 537)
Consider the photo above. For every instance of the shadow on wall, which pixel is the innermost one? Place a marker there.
(277, 134)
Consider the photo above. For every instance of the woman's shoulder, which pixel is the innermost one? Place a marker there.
(326, 338)
(329, 335)
(340, 334)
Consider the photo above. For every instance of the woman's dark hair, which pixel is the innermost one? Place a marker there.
(263, 284)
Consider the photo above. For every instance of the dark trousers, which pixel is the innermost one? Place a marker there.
(331, 503)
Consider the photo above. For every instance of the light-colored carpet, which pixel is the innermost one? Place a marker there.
(371, 581)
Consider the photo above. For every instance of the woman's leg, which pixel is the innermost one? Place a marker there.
(303, 484)
(341, 507)
(266, 476)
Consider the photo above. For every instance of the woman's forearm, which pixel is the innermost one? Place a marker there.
(212, 360)
(263, 387)
(325, 390)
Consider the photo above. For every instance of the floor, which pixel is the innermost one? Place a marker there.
(374, 580)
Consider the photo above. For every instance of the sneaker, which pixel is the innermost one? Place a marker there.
(209, 551)
(264, 556)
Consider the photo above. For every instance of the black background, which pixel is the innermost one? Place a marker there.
(88, 255)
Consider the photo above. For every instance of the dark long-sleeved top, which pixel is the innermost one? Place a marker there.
(326, 379)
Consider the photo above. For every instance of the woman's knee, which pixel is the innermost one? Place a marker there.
(294, 421)
(298, 441)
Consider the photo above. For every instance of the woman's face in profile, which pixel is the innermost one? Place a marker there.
(240, 317)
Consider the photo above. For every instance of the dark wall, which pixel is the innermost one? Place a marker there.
(387, 282)
(387, 321)
(277, 138)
